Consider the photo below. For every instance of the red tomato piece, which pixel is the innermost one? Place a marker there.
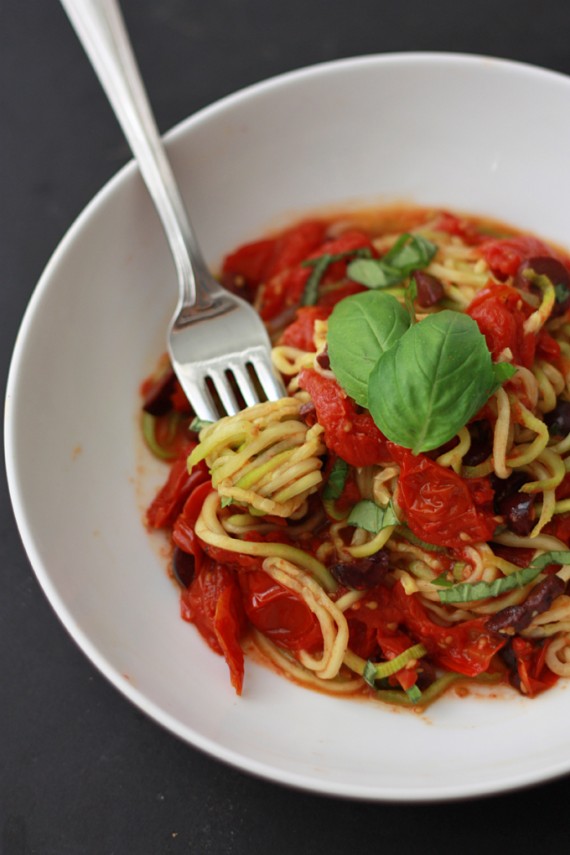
(183, 533)
(437, 503)
(213, 604)
(533, 673)
(500, 313)
(282, 292)
(170, 499)
(295, 245)
(351, 434)
(335, 295)
(453, 225)
(505, 255)
(250, 261)
(279, 613)
(302, 331)
(466, 648)
(348, 242)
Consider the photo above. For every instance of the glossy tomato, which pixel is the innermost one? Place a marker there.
(500, 313)
(437, 503)
(349, 433)
(279, 613)
(213, 604)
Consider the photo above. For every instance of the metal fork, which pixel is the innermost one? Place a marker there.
(218, 346)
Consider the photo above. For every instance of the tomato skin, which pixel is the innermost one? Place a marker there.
(302, 331)
(350, 434)
(183, 534)
(279, 613)
(213, 604)
(505, 255)
(169, 501)
(500, 313)
(466, 648)
(533, 673)
(437, 503)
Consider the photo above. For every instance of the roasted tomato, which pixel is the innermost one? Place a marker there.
(213, 604)
(437, 503)
(349, 433)
(279, 613)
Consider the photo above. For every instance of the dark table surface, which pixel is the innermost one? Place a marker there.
(81, 770)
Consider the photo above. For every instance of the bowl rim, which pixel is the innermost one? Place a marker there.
(113, 185)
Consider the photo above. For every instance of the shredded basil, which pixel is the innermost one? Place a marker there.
(555, 557)
(409, 253)
(336, 481)
(414, 694)
(320, 266)
(369, 516)
(196, 425)
(467, 592)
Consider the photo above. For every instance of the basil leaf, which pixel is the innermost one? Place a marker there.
(226, 501)
(503, 371)
(360, 329)
(196, 425)
(320, 266)
(414, 694)
(431, 382)
(409, 253)
(555, 557)
(562, 292)
(369, 673)
(466, 592)
(371, 517)
(336, 481)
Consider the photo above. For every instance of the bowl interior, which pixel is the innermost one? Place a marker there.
(438, 130)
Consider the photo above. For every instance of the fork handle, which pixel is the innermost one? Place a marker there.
(100, 28)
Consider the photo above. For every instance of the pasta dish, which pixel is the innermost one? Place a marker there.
(399, 524)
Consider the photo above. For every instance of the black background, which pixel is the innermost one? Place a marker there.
(81, 770)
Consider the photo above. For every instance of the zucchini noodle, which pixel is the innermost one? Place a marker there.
(356, 566)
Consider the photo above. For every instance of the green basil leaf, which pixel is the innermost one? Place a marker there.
(431, 382)
(320, 266)
(467, 592)
(503, 371)
(409, 253)
(371, 517)
(360, 329)
(197, 424)
(562, 292)
(311, 289)
(369, 673)
(414, 694)
(226, 501)
(336, 481)
(556, 557)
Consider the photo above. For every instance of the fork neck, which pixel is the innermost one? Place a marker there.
(101, 30)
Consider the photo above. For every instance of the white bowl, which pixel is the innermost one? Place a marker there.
(468, 133)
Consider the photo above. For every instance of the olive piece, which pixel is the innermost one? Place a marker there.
(506, 487)
(481, 443)
(518, 511)
(558, 419)
(183, 567)
(363, 574)
(554, 270)
(157, 400)
(429, 289)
